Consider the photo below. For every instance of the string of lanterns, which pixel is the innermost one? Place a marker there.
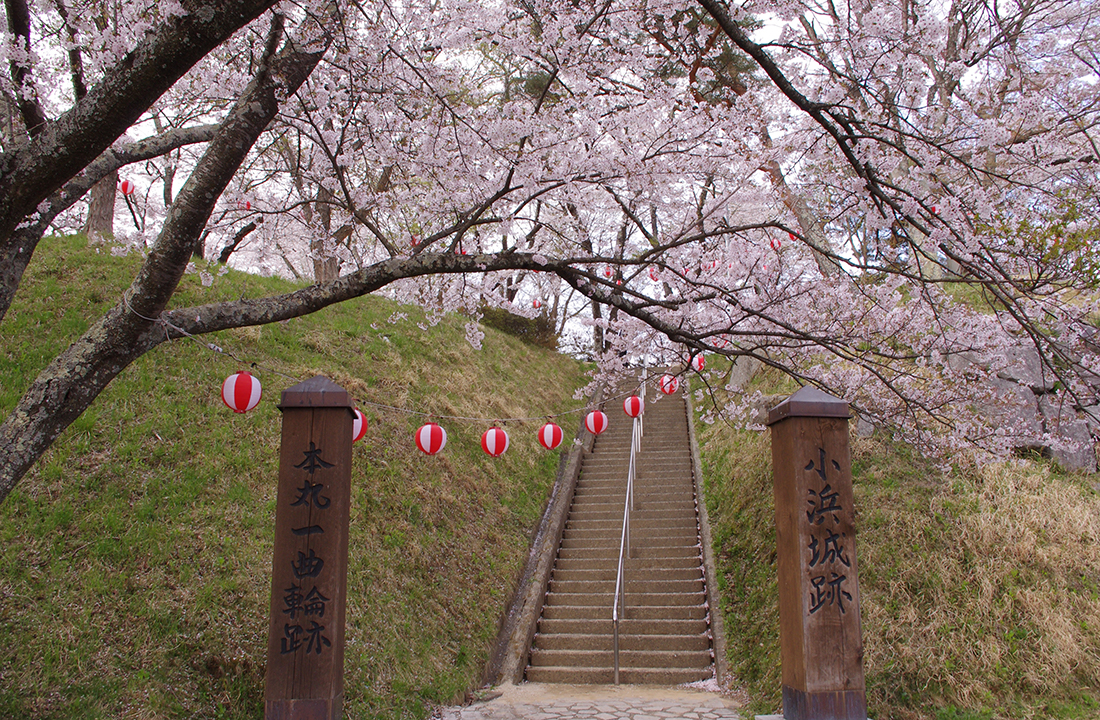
(242, 391)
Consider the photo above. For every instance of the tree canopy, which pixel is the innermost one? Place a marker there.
(892, 201)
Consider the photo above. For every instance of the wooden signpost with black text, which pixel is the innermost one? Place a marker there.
(305, 651)
(819, 629)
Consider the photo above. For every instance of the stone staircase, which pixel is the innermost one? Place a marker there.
(664, 637)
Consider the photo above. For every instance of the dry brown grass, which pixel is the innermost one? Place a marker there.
(980, 589)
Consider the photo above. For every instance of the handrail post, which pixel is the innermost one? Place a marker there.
(616, 651)
(624, 542)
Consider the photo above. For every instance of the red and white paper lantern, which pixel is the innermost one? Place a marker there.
(668, 384)
(358, 426)
(126, 187)
(241, 392)
(550, 436)
(536, 304)
(494, 442)
(632, 406)
(596, 422)
(430, 438)
(698, 362)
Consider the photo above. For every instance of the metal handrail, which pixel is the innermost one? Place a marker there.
(624, 543)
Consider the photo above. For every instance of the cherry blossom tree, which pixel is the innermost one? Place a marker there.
(814, 201)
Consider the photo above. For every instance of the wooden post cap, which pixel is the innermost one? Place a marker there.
(809, 402)
(316, 392)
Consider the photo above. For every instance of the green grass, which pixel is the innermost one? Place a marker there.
(980, 588)
(135, 578)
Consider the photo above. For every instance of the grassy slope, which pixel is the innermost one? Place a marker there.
(135, 575)
(979, 588)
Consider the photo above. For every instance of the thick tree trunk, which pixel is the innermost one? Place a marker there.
(101, 208)
(76, 377)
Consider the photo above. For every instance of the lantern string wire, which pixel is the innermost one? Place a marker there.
(217, 349)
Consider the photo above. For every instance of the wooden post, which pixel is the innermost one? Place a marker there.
(819, 630)
(305, 642)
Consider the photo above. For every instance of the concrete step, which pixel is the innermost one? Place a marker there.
(637, 530)
(683, 501)
(615, 518)
(643, 469)
(606, 641)
(644, 481)
(679, 659)
(634, 574)
(618, 484)
(584, 526)
(612, 562)
(641, 460)
(641, 612)
(649, 453)
(650, 445)
(637, 518)
(614, 528)
(613, 521)
(658, 502)
(629, 626)
(639, 537)
(636, 522)
(650, 527)
(627, 676)
(652, 494)
(637, 553)
(596, 527)
(657, 508)
(592, 498)
(635, 600)
(633, 586)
